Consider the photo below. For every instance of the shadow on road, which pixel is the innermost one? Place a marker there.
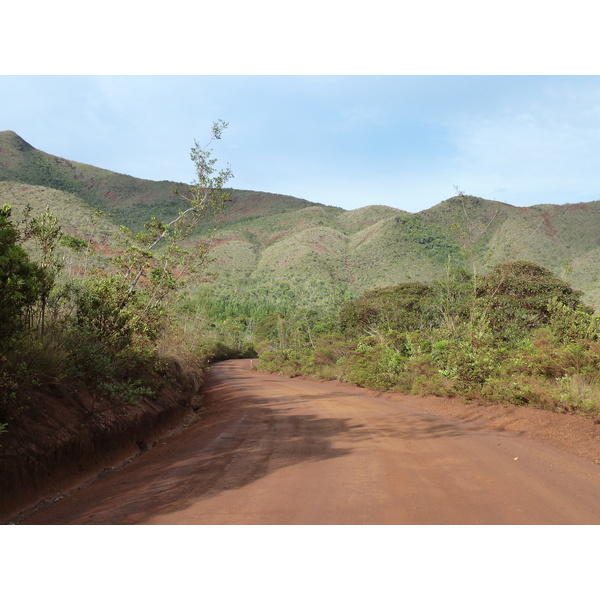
(247, 433)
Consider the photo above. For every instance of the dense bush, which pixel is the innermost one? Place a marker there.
(20, 281)
(520, 336)
(115, 330)
(516, 297)
(404, 307)
(375, 364)
(21, 284)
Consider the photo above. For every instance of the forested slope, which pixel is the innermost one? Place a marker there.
(310, 246)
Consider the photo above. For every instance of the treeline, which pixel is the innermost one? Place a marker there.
(518, 335)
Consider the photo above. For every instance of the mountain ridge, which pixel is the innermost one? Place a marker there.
(320, 250)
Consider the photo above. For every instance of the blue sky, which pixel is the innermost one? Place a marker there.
(386, 104)
(348, 141)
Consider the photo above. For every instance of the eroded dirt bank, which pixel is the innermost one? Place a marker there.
(270, 450)
(66, 437)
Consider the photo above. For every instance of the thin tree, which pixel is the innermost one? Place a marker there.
(204, 198)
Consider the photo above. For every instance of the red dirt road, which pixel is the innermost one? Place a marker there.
(272, 450)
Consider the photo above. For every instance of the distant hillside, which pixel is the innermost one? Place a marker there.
(380, 246)
(128, 200)
(323, 253)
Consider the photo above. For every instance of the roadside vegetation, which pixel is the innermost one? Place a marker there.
(116, 295)
(73, 317)
(110, 282)
(518, 335)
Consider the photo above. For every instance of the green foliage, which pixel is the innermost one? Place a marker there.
(435, 241)
(467, 362)
(107, 312)
(295, 280)
(571, 323)
(21, 281)
(127, 392)
(43, 169)
(421, 376)
(515, 297)
(108, 330)
(73, 242)
(453, 298)
(405, 307)
(14, 378)
(329, 350)
(373, 364)
(440, 339)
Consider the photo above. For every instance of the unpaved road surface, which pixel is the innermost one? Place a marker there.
(272, 450)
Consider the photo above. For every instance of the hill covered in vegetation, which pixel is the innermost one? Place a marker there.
(320, 252)
(118, 292)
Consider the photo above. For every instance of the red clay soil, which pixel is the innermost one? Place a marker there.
(66, 436)
(272, 450)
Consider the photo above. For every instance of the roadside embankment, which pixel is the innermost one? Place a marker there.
(66, 437)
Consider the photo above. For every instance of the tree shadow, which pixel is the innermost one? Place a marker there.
(262, 441)
(249, 436)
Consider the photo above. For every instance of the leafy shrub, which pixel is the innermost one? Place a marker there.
(89, 359)
(20, 281)
(372, 365)
(579, 393)
(517, 296)
(14, 377)
(569, 324)
(467, 360)
(328, 351)
(110, 313)
(405, 307)
(520, 390)
(570, 393)
(524, 339)
(421, 376)
(126, 392)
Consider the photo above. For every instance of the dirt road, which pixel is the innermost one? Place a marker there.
(271, 450)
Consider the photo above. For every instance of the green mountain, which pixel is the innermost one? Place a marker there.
(319, 253)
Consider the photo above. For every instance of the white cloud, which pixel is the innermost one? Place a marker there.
(545, 148)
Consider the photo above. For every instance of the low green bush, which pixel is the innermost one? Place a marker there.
(523, 339)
